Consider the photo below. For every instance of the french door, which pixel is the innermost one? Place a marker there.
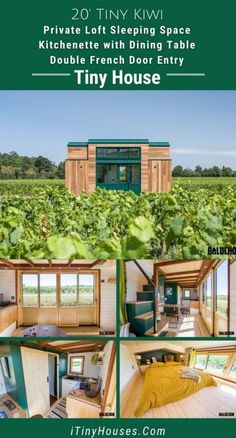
(59, 298)
(119, 176)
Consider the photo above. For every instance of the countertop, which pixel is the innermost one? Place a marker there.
(79, 394)
(9, 306)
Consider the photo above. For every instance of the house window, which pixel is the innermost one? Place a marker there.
(30, 290)
(232, 372)
(201, 360)
(186, 294)
(221, 278)
(216, 363)
(76, 365)
(48, 290)
(208, 292)
(68, 290)
(117, 153)
(221, 364)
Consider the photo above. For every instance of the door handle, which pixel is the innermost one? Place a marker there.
(47, 379)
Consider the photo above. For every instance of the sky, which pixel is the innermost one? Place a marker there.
(200, 125)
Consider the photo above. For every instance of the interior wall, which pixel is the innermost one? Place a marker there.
(15, 385)
(8, 284)
(108, 297)
(128, 374)
(135, 279)
(2, 383)
(90, 370)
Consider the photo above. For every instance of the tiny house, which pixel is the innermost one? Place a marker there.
(54, 298)
(189, 298)
(177, 379)
(57, 379)
(138, 165)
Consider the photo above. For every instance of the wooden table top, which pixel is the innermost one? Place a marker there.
(79, 394)
(17, 412)
(43, 331)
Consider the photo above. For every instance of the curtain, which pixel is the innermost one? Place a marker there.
(192, 358)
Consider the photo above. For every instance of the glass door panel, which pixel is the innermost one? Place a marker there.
(86, 289)
(30, 290)
(88, 302)
(48, 290)
(68, 290)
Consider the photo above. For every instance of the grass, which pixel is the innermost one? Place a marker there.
(182, 180)
(49, 299)
(201, 181)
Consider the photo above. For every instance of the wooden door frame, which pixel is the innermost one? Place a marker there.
(19, 292)
(57, 373)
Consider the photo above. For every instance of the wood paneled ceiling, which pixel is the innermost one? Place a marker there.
(50, 265)
(72, 346)
(186, 273)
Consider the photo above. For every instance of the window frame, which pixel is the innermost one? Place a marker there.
(96, 288)
(118, 154)
(78, 356)
(224, 315)
(228, 365)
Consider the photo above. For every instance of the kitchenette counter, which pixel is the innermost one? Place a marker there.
(8, 315)
(79, 405)
(5, 412)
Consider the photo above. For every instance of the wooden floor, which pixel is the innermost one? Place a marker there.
(189, 326)
(207, 403)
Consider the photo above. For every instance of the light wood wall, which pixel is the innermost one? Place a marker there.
(76, 178)
(160, 175)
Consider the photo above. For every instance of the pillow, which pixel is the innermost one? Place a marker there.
(169, 358)
(172, 364)
(157, 364)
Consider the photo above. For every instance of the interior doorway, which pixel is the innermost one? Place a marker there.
(53, 377)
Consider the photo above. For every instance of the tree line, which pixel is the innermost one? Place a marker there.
(206, 171)
(14, 166)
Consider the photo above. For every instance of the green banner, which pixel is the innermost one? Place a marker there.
(119, 45)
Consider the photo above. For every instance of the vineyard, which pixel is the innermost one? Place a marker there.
(41, 219)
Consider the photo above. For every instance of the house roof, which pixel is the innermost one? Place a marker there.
(117, 141)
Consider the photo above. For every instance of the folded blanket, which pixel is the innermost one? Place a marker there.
(191, 374)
